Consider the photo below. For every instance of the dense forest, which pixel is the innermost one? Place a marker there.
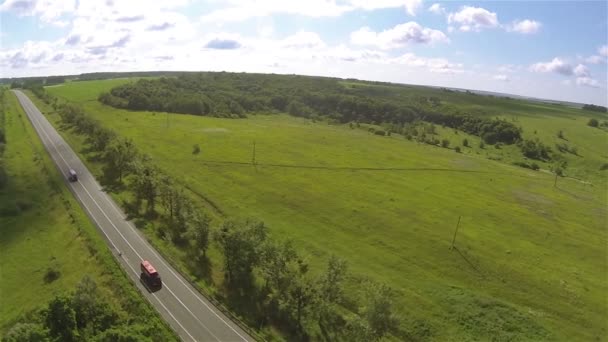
(235, 95)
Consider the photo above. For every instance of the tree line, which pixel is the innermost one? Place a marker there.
(235, 95)
(267, 281)
(594, 108)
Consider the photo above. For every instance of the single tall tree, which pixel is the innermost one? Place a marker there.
(198, 233)
(241, 245)
(119, 157)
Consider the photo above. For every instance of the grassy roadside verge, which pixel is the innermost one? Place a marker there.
(43, 228)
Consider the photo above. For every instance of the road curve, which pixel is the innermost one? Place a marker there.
(190, 314)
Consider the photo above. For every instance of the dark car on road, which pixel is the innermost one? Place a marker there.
(72, 175)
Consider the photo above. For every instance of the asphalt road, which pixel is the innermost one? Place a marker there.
(192, 316)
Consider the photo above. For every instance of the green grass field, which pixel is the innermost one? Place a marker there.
(41, 227)
(530, 263)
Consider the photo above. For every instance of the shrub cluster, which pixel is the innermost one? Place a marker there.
(83, 315)
(535, 149)
(565, 148)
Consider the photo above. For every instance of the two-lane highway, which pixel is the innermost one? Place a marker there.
(190, 314)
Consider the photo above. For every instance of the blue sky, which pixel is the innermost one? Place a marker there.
(548, 49)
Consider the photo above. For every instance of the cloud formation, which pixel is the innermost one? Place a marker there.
(556, 65)
(303, 39)
(223, 44)
(398, 36)
(47, 10)
(159, 27)
(503, 78)
(473, 19)
(412, 6)
(581, 71)
(588, 82)
(436, 9)
(526, 26)
(436, 65)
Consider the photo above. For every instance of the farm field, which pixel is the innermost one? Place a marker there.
(47, 243)
(530, 261)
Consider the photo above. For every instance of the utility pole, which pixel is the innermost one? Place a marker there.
(455, 232)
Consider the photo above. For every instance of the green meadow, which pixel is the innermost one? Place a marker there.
(47, 243)
(530, 259)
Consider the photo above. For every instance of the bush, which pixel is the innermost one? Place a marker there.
(51, 275)
(482, 145)
(465, 142)
(560, 135)
(445, 143)
(564, 148)
(535, 149)
(593, 123)
(380, 132)
(457, 149)
(196, 149)
(532, 166)
(604, 167)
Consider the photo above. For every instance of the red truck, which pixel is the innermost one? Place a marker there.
(150, 275)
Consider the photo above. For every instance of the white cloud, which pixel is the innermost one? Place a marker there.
(508, 68)
(412, 6)
(47, 10)
(473, 19)
(436, 9)
(303, 39)
(436, 65)
(556, 65)
(566, 82)
(246, 10)
(503, 78)
(240, 10)
(398, 36)
(374, 5)
(588, 82)
(30, 55)
(525, 26)
(595, 59)
(581, 71)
